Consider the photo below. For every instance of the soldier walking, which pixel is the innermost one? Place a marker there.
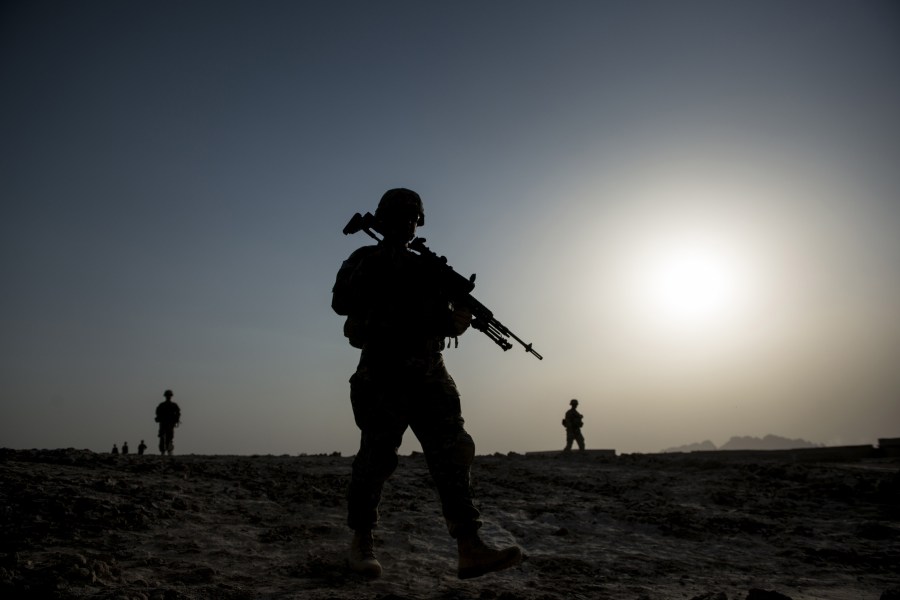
(399, 316)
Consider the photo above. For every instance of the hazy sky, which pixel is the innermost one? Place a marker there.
(690, 208)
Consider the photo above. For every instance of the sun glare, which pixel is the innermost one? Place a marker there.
(690, 283)
(692, 259)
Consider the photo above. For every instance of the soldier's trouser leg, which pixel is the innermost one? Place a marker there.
(449, 451)
(373, 465)
(166, 437)
(381, 432)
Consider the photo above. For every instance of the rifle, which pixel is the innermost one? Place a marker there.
(458, 288)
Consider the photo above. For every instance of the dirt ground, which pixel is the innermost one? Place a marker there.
(76, 524)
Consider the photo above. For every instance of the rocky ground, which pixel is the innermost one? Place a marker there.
(75, 524)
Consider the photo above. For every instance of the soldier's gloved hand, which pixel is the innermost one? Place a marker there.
(460, 319)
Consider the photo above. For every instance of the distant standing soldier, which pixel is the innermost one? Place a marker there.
(124, 447)
(115, 449)
(168, 415)
(141, 447)
(573, 422)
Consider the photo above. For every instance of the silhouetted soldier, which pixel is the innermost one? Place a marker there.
(141, 447)
(399, 316)
(573, 422)
(115, 449)
(168, 415)
(124, 447)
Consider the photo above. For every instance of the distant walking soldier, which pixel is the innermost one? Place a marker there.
(573, 422)
(141, 447)
(168, 415)
(115, 449)
(124, 447)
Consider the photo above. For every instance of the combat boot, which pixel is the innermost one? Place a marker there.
(362, 555)
(476, 559)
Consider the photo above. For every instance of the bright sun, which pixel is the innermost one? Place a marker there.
(690, 283)
(693, 284)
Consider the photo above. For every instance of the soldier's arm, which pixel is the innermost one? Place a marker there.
(460, 319)
(345, 293)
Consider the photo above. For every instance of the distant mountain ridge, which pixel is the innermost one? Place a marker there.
(769, 442)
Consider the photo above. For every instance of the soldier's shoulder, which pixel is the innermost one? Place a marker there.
(361, 253)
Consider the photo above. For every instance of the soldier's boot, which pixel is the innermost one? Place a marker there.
(476, 559)
(362, 555)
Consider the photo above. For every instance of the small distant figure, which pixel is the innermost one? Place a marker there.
(115, 449)
(124, 447)
(573, 422)
(168, 415)
(141, 447)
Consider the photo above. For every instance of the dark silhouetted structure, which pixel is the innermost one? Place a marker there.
(399, 316)
(141, 447)
(168, 415)
(573, 422)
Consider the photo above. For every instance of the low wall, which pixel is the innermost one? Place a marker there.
(889, 446)
(592, 453)
(825, 454)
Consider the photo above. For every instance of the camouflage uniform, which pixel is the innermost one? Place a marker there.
(399, 317)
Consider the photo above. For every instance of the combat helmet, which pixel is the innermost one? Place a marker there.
(400, 200)
(573, 402)
(168, 393)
